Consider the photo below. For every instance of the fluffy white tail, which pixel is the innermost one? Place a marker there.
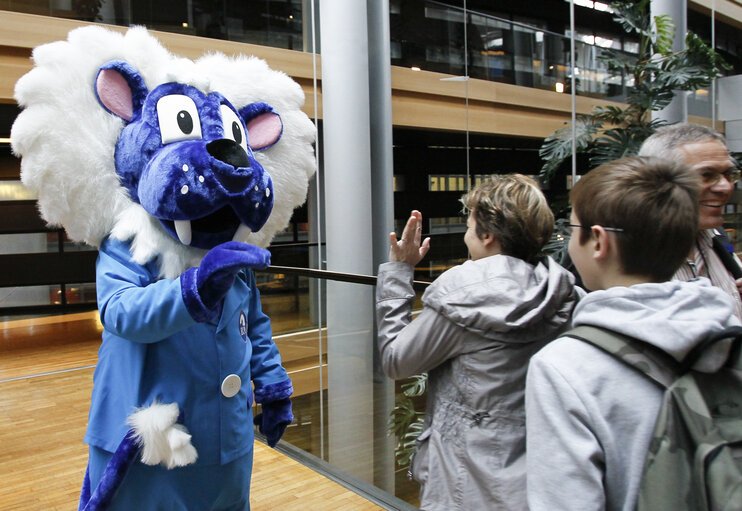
(163, 441)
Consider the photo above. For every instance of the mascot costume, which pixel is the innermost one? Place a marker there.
(180, 172)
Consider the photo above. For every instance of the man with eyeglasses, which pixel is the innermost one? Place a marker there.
(705, 151)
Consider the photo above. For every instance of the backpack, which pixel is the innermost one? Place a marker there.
(694, 460)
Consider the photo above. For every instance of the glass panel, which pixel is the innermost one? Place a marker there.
(430, 35)
(29, 295)
(342, 402)
(23, 243)
(79, 293)
(266, 22)
(699, 103)
(14, 190)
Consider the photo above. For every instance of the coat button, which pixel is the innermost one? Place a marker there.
(231, 385)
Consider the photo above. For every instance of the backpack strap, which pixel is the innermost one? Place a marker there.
(734, 333)
(645, 358)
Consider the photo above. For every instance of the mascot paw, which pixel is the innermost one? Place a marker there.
(274, 419)
(204, 287)
(163, 441)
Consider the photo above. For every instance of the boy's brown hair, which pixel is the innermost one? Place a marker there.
(513, 209)
(654, 201)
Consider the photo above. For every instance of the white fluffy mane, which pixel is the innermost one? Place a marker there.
(67, 140)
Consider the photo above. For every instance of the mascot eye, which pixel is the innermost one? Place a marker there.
(185, 122)
(236, 132)
(178, 118)
(233, 127)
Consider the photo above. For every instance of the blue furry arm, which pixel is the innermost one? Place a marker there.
(204, 287)
(133, 303)
(265, 363)
(272, 384)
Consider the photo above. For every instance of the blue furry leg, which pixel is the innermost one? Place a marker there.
(127, 451)
(85, 492)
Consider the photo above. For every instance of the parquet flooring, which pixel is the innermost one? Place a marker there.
(46, 369)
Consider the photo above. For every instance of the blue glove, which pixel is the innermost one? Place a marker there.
(276, 413)
(274, 419)
(204, 288)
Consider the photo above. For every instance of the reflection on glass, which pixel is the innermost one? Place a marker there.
(14, 190)
(333, 372)
(430, 35)
(426, 35)
(28, 296)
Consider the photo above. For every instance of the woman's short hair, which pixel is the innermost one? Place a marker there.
(654, 201)
(513, 209)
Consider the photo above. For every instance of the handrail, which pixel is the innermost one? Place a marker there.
(353, 278)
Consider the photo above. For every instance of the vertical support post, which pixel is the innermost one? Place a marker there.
(677, 110)
(348, 223)
(573, 87)
(382, 199)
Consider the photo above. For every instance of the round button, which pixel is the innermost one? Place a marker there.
(231, 385)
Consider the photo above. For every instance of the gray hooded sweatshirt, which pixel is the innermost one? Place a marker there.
(590, 416)
(480, 324)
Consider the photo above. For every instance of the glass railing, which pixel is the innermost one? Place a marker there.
(266, 22)
(443, 38)
(323, 324)
(425, 34)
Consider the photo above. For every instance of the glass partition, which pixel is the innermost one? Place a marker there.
(434, 36)
(324, 330)
(425, 34)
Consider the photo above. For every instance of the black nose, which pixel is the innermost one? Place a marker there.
(228, 151)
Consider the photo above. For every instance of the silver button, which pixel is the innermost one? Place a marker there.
(231, 385)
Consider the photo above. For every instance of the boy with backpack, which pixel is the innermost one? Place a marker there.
(591, 411)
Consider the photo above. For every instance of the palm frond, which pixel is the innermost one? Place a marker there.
(558, 146)
(405, 422)
(557, 246)
(417, 386)
(664, 34)
(631, 15)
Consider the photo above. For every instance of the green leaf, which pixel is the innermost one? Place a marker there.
(558, 146)
(610, 114)
(558, 244)
(417, 386)
(405, 422)
(631, 15)
(664, 34)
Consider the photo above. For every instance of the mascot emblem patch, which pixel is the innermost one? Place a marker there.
(243, 325)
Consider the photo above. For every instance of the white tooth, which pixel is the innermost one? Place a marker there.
(242, 232)
(183, 230)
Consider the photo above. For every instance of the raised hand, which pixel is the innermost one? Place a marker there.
(408, 248)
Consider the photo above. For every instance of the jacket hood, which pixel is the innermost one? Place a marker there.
(500, 294)
(673, 316)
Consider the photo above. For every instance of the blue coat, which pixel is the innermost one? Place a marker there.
(153, 350)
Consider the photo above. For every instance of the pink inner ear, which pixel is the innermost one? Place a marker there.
(264, 130)
(114, 93)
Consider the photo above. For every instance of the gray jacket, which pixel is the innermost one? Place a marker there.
(590, 416)
(479, 326)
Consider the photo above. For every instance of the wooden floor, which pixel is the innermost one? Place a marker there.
(46, 369)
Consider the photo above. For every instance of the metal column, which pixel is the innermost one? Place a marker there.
(677, 110)
(382, 208)
(348, 223)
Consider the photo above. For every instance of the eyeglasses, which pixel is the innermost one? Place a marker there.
(712, 178)
(612, 229)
